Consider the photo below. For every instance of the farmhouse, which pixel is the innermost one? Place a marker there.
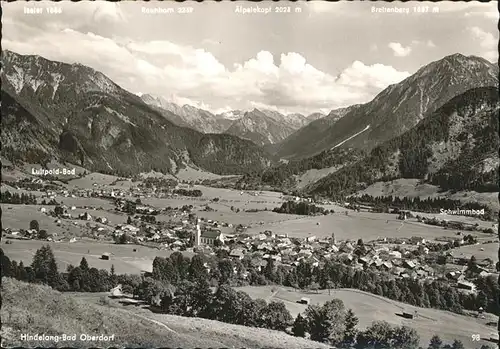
(409, 264)
(85, 216)
(102, 220)
(237, 254)
(304, 300)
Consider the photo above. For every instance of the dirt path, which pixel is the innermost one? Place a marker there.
(161, 324)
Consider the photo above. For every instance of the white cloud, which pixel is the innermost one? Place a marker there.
(108, 11)
(377, 75)
(399, 50)
(487, 43)
(430, 43)
(189, 75)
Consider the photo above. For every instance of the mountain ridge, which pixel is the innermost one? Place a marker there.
(418, 95)
(84, 117)
(456, 148)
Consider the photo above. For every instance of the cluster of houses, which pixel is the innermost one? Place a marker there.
(289, 252)
(186, 232)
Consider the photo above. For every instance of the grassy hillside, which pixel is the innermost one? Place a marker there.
(30, 308)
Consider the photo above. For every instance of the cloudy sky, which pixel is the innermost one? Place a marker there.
(327, 56)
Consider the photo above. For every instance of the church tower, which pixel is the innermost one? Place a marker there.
(197, 237)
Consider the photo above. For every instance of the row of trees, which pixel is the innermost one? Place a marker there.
(188, 192)
(333, 274)
(158, 182)
(300, 208)
(6, 197)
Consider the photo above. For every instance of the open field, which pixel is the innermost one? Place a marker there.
(412, 188)
(87, 182)
(123, 257)
(114, 218)
(249, 218)
(364, 225)
(231, 194)
(369, 308)
(313, 175)
(56, 313)
(12, 190)
(189, 173)
(19, 217)
(490, 251)
(85, 202)
(14, 174)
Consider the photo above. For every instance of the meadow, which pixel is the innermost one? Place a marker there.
(122, 257)
(369, 308)
(489, 251)
(364, 225)
(19, 217)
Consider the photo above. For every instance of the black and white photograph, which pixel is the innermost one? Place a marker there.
(250, 175)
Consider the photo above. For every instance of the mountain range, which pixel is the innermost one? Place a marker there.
(438, 125)
(396, 109)
(72, 113)
(262, 127)
(454, 148)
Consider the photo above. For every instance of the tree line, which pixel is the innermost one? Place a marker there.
(431, 205)
(333, 274)
(6, 197)
(300, 208)
(188, 192)
(181, 286)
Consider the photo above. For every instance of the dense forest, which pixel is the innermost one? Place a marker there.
(281, 176)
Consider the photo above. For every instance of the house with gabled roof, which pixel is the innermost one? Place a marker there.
(237, 254)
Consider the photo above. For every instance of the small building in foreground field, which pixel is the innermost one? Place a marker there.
(106, 256)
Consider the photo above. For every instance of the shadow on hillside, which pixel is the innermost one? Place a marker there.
(154, 309)
(405, 316)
